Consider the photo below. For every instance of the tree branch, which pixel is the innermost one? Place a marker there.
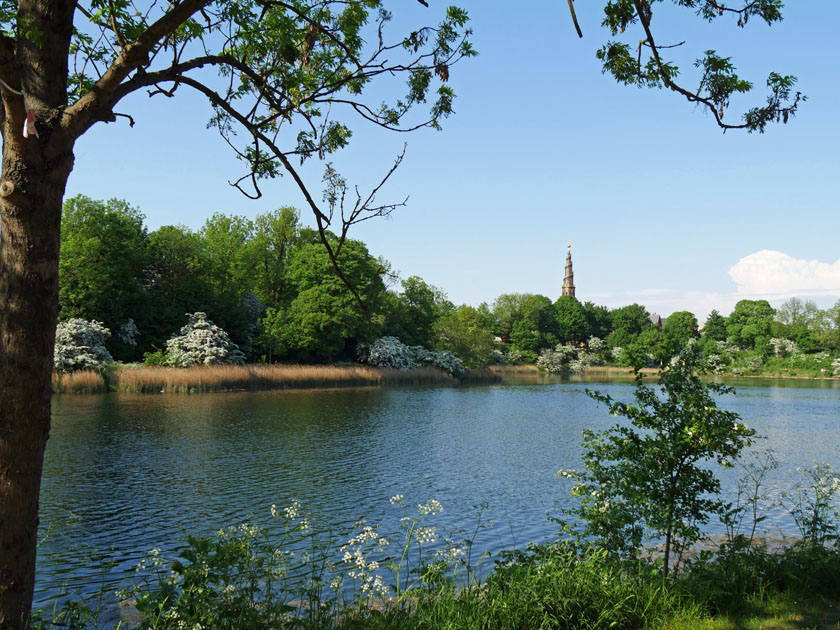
(82, 114)
(692, 97)
(322, 221)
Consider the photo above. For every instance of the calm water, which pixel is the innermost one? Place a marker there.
(127, 473)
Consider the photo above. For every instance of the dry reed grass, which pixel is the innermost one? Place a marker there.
(514, 369)
(81, 382)
(206, 378)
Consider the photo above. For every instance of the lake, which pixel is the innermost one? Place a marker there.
(126, 473)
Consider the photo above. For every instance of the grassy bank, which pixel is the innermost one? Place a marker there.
(220, 583)
(218, 378)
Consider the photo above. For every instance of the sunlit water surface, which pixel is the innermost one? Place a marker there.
(127, 473)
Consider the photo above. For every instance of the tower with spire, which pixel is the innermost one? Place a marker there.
(569, 278)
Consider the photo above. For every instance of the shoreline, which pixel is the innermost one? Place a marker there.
(260, 377)
(253, 377)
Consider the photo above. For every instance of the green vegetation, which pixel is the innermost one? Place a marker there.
(271, 289)
(649, 476)
(287, 575)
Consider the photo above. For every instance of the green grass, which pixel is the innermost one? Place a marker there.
(559, 586)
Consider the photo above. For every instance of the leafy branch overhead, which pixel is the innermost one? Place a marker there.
(644, 64)
(285, 78)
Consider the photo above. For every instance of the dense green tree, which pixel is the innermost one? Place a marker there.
(715, 327)
(749, 323)
(413, 313)
(104, 252)
(525, 337)
(627, 323)
(176, 281)
(232, 273)
(635, 355)
(830, 336)
(324, 321)
(273, 236)
(679, 329)
(462, 332)
(226, 241)
(572, 325)
(486, 317)
(599, 320)
(507, 310)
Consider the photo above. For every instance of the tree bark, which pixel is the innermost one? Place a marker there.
(34, 175)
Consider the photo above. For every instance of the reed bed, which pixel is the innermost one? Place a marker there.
(207, 378)
(81, 382)
(514, 370)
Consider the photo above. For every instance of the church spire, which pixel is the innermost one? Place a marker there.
(569, 278)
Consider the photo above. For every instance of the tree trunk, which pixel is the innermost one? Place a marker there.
(34, 175)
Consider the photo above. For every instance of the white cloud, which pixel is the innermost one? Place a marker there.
(763, 275)
(776, 274)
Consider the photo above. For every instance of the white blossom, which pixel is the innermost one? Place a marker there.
(202, 342)
(80, 345)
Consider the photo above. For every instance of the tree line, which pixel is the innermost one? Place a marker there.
(269, 283)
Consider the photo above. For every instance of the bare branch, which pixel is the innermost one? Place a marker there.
(574, 18)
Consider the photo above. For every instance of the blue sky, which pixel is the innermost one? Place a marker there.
(660, 206)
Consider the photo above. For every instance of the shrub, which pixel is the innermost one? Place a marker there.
(650, 474)
(391, 352)
(568, 358)
(80, 345)
(202, 342)
(387, 352)
(157, 358)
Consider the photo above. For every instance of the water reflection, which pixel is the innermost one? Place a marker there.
(126, 473)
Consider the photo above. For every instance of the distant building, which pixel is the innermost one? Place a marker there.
(569, 278)
(656, 320)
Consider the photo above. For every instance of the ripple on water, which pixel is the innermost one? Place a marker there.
(126, 473)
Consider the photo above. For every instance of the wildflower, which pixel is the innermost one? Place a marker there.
(292, 510)
(426, 534)
(397, 498)
(430, 507)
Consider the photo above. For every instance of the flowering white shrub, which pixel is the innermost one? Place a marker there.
(596, 345)
(715, 364)
(783, 347)
(391, 352)
(202, 342)
(387, 352)
(567, 358)
(442, 359)
(616, 353)
(835, 365)
(727, 349)
(80, 345)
